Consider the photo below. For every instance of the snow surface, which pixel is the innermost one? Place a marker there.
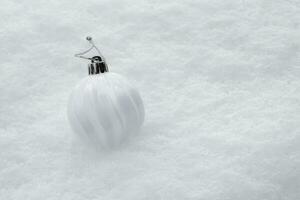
(220, 83)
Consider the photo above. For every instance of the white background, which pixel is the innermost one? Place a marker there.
(220, 83)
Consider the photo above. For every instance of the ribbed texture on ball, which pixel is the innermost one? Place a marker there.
(105, 110)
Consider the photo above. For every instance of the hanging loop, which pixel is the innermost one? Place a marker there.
(98, 64)
(81, 55)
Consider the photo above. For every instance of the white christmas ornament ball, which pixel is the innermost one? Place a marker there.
(105, 110)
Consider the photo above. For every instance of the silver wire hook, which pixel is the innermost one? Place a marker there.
(90, 40)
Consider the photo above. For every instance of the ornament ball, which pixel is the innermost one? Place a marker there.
(104, 109)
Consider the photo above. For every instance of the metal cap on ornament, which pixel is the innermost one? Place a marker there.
(97, 66)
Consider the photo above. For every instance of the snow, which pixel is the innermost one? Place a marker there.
(220, 84)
